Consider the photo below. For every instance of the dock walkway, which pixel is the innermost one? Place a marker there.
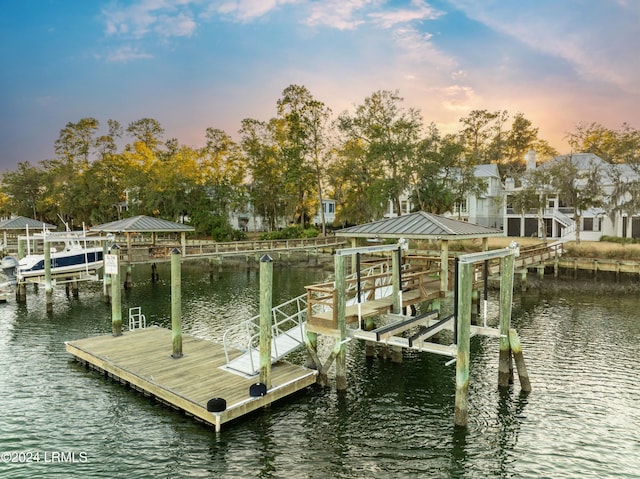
(142, 359)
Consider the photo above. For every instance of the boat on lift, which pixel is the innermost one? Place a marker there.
(71, 253)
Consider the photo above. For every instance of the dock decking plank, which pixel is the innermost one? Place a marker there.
(143, 359)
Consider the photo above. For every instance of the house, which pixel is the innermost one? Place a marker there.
(484, 210)
(329, 209)
(249, 221)
(558, 217)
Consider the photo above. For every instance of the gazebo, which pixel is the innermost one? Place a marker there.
(423, 226)
(20, 224)
(145, 224)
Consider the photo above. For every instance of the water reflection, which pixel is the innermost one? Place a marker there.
(395, 420)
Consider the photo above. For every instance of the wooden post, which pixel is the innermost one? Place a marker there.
(48, 288)
(475, 307)
(463, 320)
(354, 244)
(312, 350)
(127, 277)
(116, 307)
(516, 349)
(106, 278)
(266, 305)
(444, 267)
(21, 293)
(506, 296)
(396, 279)
(176, 304)
(341, 358)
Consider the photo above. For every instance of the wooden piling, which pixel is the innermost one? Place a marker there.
(116, 306)
(106, 278)
(21, 293)
(311, 342)
(516, 350)
(465, 284)
(21, 246)
(340, 347)
(128, 275)
(266, 304)
(396, 265)
(48, 288)
(176, 304)
(506, 296)
(444, 267)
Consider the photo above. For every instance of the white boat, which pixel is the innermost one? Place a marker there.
(70, 253)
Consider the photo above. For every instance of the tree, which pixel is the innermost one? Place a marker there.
(147, 131)
(578, 186)
(390, 135)
(444, 177)
(486, 141)
(534, 196)
(521, 138)
(24, 189)
(613, 146)
(303, 146)
(75, 143)
(267, 190)
(478, 133)
(438, 157)
(358, 185)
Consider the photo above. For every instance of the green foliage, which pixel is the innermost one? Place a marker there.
(282, 167)
(291, 232)
(216, 226)
(619, 240)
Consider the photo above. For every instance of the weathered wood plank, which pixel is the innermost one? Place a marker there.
(142, 358)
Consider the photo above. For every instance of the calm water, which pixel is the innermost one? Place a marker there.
(582, 419)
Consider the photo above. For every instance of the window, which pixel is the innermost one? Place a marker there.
(587, 224)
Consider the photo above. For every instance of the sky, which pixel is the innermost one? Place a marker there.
(196, 64)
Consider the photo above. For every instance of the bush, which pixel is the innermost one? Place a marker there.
(291, 232)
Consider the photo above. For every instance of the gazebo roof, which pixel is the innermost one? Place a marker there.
(142, 224)
(420, 225)
(22, 222)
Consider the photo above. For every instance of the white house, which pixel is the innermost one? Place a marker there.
(484, 210)
(329, 208)
(248, 221)
(558, 217)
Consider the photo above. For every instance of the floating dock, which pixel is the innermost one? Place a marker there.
(142, 359)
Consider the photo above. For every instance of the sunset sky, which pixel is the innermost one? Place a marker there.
(194, 64)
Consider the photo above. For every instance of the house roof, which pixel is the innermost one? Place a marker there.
(22, 222)
(142, 224)
(419, 225)
(490, 170)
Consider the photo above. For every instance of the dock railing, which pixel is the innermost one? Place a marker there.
(288, 322)
(375, 282)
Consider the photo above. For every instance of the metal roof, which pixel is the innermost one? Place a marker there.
(21, 223)
(142, 224)
(419, 225)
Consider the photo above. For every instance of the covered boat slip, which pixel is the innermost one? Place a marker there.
(142, 359)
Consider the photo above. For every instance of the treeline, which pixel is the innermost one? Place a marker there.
(279, 169)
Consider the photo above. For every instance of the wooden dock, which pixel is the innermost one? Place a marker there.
(142, 359)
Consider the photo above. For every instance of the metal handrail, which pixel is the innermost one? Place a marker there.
(251, 328)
